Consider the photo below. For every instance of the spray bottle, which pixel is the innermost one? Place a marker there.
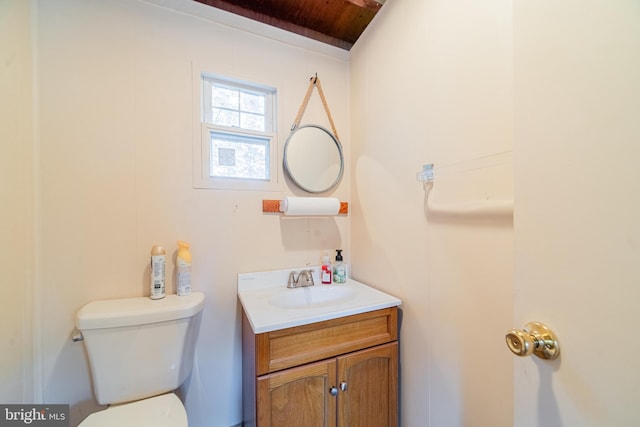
(158, 268)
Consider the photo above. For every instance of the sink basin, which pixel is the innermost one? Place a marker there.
(312, 296)
(270, 306)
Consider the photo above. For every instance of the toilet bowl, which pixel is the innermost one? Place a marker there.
(161, 411)
(140, 351)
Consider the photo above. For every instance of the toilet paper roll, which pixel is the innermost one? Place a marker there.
(310, 206)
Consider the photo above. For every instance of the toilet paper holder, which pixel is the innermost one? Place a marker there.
(274, 206)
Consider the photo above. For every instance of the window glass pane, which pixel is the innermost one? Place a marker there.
(252, 121)
(235, 156)
(226, 117)
(226, 98)
(251, 102)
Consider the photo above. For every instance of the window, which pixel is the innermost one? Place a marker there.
(236, 148)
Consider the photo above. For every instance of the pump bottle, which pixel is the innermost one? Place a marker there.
(327, 270)
(339, 268)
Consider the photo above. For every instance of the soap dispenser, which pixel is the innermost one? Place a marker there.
(339, 268)
(327, 270)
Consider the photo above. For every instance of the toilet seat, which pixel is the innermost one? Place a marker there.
(160, 411)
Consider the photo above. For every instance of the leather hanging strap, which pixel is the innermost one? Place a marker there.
(315, 82)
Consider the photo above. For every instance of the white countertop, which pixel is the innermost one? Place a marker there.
(257, 292)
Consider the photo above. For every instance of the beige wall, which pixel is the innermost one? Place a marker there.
(16, 203)
(431, 82)
(115, 125)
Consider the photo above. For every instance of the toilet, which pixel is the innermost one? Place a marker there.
(140, 351)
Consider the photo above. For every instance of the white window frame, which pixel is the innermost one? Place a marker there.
(202, 136)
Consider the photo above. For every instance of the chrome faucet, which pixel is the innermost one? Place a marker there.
(302, 279)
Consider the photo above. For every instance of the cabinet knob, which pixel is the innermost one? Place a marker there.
(343, 386)
(333, 391)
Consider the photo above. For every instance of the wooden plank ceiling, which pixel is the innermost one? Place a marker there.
(335, 22)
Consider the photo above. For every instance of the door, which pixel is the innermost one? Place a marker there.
(298, 397)
(577, 209)
(368, 382)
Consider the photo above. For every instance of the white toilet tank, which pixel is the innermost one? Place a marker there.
(138, 347)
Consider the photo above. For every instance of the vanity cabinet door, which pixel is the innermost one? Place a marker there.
(368, 383)
(298, 397)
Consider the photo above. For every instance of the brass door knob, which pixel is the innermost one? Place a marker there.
(536, 338)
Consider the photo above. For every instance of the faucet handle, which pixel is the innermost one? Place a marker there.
(293, 280)
(308, 274)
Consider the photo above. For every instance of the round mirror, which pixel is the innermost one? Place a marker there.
(313, 158)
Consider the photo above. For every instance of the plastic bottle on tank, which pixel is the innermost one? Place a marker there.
(158, 269)
(183, 269)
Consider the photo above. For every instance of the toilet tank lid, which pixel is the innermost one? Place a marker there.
(138, 311)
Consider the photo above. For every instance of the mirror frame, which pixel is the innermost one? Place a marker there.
(340, 153)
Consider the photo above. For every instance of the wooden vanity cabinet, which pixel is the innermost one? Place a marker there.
(336, 373)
